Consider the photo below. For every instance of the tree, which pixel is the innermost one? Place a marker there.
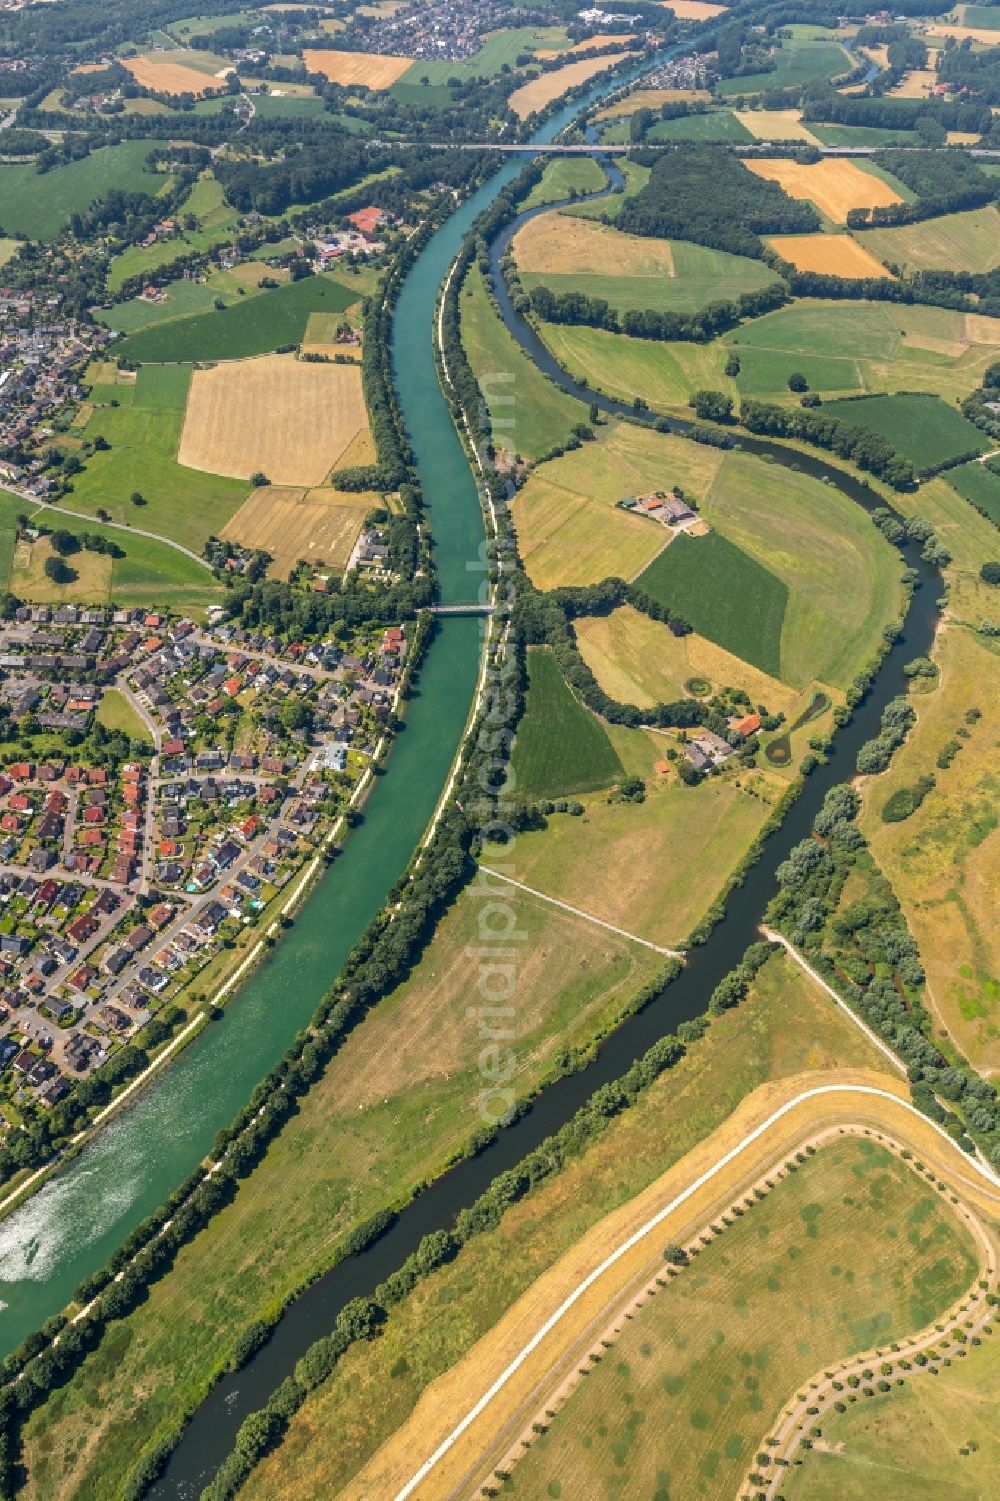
(64, 542)
(58, 572)
(990, 573)
(733, 365)
(711, 406)
(258, 479)
(676, 1255)
(137, 498)
(295, 715)
(797, 381)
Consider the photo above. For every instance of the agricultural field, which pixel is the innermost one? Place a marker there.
(954, 242)
(922, 428)
(396, 1117)
(530, 414)
(861, 135)
(852, 1250)
(942, 859)
(638, 660)
(713, 125)
(183, 298)
(643, 98)
(831, 255)
(636, 177)
(290, 420)
(569, 527)
(570, 254)
(767, 583)
(369, 70)
(249, 328)
(776, 125)
(216, 221)
(148, 569)
(538, 92)
(40, 205)
(927, 1438)
(800, 60)
(321, 525)
(979, 485)
(834, 185)
(561, 748)
(565, 175)
(864, 346)
(144, 436)
(695, 10)
(184, 71)
(664, 375)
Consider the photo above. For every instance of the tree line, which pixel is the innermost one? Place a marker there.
(870, 451)
(648, 323)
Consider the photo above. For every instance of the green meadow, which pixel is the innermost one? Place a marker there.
(561, 748)
(713, 125)
(798, 61)
(922, 428)
(40, 204)
(980, 485)
(564, 175)
(257, 326)
(216, 221)
(700, 276)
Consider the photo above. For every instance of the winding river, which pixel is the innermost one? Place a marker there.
(442, 463)
(72, 1225)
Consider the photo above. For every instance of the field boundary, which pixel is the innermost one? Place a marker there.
(587, 916)
(807, 1097)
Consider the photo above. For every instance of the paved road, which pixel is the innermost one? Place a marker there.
(118, 526)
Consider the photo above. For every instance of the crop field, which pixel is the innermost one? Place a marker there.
(538, 92)
(395, 1115)
(249, 328)
(942, 859)
(664, 375)
(561, 748)
(694, 10)
(569, 528)
(834, 185)
(320, 525)
(863, 346)
(291, 420)
(980, 486)
(641, 98)
(955, 242)
(724, 594)
(927, 1438)
(575, 254)
(472, 1308)
(529, 413)
(852, 1250)
(183, 298)
(861, 135)
(40, 205)
(810, 538)
(181, 72)
(589, 44)
(144, 435)
(800, 60)
(371, 70)
(216, 221)
(832, 255)
(562, 176)
(640, 661)
(923, 428)
(713, 125)
(776, 125)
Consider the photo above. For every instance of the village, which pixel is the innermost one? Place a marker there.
(178, 777)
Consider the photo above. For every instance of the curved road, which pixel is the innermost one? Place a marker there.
(755, 1145)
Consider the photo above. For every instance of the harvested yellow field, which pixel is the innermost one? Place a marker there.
(775, 125)
(563, 243)
(965, 33)
(170, 77)
(962, 138)
(649, 99)
(89, 584)
(836, 255)
(291, 420)
(548, 86)
(589, 44)
(369, 69)
(90, 68)
(694, 10)
(915, 85)
(835, 185)
(320, 525)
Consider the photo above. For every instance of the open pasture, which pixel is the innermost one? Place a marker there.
(320, 525)
(834, 185)
(289, 419)
(662, 374)
(852, 1250)
(641, 98)
(980, 485)
(831, 255)
(252, 326)
(798, 61)
(561, 747)
(563, 175)
(40, 205)
(370, 70)
(216, 222)
(640, 661)
(923, 428)
(918, 83)
(861, 135)
(968, 241)
(180, 72)
(569, 528)
(89, 584)
(712, 125)
(776, 125)
(540, 91)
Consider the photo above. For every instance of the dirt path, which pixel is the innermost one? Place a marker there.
(587, 917)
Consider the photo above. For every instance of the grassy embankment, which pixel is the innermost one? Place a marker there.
(784, 1028)
(851, 1251)
(383, 1118)
(931, 1438)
